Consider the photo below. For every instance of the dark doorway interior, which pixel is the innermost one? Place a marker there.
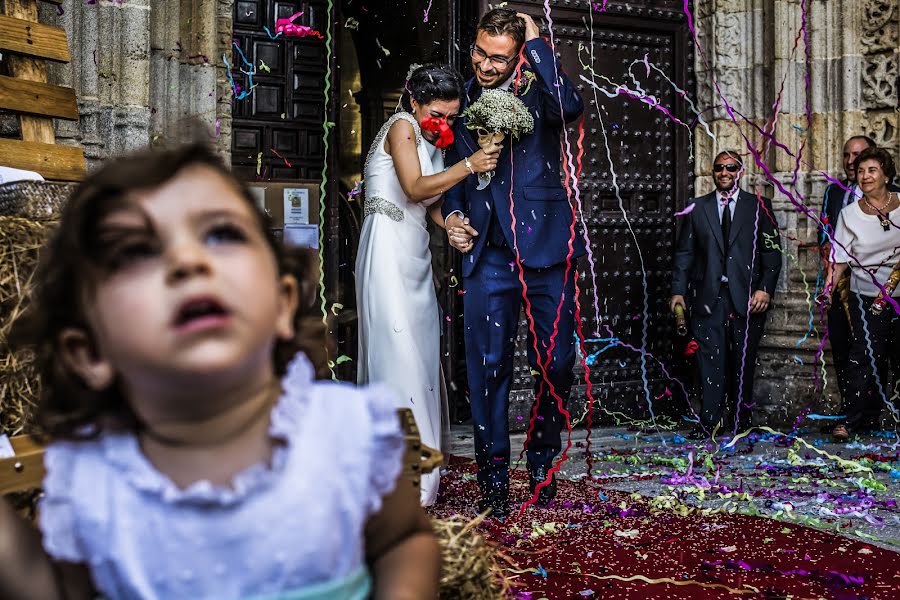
(636, 173)
(636, 170)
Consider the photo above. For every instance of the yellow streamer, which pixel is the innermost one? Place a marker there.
(851, 466)
(749, 589)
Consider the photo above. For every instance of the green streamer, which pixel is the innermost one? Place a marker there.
(326, 130)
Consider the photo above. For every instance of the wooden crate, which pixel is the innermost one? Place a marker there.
(27, 44)
(24, 471)
(418, 458)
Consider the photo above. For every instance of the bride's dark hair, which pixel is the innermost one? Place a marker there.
(431, 82)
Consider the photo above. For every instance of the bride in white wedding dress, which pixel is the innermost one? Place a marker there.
(399, 320)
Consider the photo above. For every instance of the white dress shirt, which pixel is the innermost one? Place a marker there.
(720, 203)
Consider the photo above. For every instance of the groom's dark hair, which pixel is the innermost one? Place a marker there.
(432, 82)
(503, 21)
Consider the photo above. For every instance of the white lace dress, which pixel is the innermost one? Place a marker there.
(297, 524)
(399, 319)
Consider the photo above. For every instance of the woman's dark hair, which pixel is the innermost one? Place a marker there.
(503, 21)
(882, 156)
(73, 263)
(432, 82)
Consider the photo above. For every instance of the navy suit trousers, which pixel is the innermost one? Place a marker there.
(492, 302)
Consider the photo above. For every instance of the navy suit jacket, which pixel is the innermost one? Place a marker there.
(698, 259)
(528, 169)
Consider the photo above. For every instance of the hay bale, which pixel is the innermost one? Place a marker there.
(469, 570)
(20, 243)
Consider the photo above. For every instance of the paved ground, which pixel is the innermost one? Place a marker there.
(851, 489)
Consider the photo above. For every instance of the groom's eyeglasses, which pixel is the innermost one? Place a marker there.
(731, 168)
(498, 62)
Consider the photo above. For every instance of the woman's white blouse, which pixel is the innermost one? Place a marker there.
(859, 239)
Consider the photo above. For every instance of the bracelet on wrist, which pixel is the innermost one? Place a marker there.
(469, 165)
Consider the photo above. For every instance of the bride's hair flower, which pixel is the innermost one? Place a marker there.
(412, 69)
(499, 110)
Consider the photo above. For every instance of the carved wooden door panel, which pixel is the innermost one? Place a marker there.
(636, 175)
(277, 128)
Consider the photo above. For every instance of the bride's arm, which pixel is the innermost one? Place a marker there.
(401, 145)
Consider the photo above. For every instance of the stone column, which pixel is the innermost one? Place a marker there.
(188, 79)
(110, 44)
(142, 69)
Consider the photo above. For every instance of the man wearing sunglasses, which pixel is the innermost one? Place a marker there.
(509, 54)
(727, 264)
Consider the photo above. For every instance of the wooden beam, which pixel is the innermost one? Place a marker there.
(25, 470)
(20, 36)
(34, 129)
(38, 98)
(55, 162)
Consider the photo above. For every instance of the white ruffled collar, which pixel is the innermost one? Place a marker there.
(123, 451)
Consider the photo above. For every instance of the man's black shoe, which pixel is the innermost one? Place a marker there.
(499, 507)
(536, 476)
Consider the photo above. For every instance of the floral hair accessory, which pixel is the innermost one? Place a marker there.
(412, 69)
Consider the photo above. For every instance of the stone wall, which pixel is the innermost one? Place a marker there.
(142, 70)
(749, 47)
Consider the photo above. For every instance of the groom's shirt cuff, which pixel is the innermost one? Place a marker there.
(455, 212)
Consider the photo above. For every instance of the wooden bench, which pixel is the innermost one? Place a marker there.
(25, 470)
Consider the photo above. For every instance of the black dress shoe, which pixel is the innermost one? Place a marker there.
(536, 476)
(498, 505)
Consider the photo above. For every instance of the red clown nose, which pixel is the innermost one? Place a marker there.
(440, 128)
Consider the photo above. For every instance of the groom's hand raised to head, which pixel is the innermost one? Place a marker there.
(532, 31)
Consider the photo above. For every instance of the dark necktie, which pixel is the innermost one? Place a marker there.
(726, 222)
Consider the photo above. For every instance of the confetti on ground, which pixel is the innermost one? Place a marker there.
(599, 537)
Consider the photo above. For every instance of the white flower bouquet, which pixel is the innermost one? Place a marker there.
(496, 114)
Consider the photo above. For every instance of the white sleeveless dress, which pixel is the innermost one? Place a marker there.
(399, 319)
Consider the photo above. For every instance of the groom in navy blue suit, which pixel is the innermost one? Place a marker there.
(546, 240)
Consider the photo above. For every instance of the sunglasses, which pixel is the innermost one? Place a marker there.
(731, 168)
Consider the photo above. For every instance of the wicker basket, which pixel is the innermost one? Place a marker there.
(34, 199)
(29, 211)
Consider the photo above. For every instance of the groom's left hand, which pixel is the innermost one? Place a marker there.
(460, 232)
(460, 239)
(532, 31)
